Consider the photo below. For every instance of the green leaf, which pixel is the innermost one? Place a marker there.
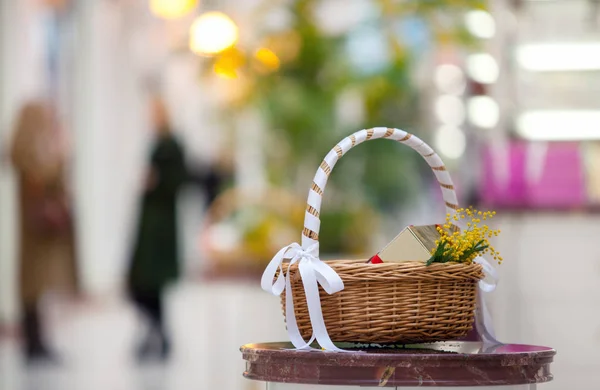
(430, 261)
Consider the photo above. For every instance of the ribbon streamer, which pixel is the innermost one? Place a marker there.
(483, 319)
(313, 272)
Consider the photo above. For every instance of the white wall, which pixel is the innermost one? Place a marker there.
(549, 291)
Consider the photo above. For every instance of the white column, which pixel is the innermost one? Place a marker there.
(108, 119)
(83, 131)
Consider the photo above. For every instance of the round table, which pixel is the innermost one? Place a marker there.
(444, 364)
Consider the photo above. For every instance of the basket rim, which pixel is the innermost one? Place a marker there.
(360, 271)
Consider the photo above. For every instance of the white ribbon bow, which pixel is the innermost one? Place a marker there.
(313, 272)
(483, 319)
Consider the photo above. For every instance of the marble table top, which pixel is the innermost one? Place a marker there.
(458, 363)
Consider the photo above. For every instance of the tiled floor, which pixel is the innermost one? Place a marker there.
(209, 324)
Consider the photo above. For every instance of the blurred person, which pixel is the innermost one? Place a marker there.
(212, 180)
(155, 256)
(47, 242)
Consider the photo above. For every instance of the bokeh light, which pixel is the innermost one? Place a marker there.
(228, 64)
(480, 23)
(212, 33)
(483, 68)
(172, 9)
(450, 79)
(450, 141)
(450, 110)
(483, 111)
(267, 58)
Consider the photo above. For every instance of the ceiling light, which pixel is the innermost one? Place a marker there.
(480, 23)
(559, 57)
(483, 68)
(212, 33)
(483, 111)
(574, 125)
(450, 141)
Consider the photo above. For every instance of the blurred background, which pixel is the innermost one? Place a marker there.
(155, 154)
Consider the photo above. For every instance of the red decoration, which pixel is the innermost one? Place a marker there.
(375, 260)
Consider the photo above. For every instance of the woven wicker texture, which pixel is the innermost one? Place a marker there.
(393, 302)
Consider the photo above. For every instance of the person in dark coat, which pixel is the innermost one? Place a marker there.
(155, 257)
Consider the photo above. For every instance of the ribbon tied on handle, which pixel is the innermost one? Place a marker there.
(313, 272)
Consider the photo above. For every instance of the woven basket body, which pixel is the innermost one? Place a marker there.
(393, 303)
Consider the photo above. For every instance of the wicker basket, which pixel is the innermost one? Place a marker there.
(391, 302)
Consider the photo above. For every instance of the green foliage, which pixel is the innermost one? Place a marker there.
(298, 100)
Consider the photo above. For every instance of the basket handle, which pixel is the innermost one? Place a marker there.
(312, 223)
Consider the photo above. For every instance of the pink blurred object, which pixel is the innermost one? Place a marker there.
(534, 176)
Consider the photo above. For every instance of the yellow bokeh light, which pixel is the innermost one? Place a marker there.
(172, 9)
(267, 58)
(228, 63)
(211, 33)
(224, 71)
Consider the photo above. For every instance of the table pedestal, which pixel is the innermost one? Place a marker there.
(459, 364)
